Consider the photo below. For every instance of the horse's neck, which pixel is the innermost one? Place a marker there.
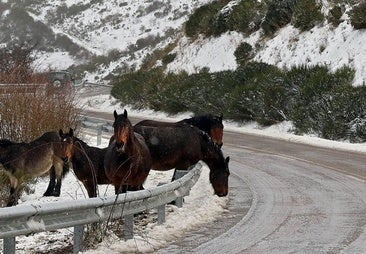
(48, 137)
(80, 149)
(200, 124)
(211, 153)
(131, 143)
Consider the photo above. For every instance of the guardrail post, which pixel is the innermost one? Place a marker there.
(99, 134)
(178, 173)
(128, 226)
(161, 210)
(9, 245)
(161, 214)
(78, 238)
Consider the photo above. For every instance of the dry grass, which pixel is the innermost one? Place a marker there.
(26, 114)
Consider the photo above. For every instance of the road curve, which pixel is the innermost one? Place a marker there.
(292, 198)
(298, 207)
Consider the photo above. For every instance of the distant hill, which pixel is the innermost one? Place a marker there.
(100, 38)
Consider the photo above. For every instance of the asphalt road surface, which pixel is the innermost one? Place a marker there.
(285, 198)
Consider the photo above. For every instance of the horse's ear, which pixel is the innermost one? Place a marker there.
(125, 113)
(227, 160)
(221, 116)
(115, 114)
(71, 132)
(60, 132)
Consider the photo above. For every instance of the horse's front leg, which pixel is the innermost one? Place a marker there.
(135, 188)
(14, 191)
(118, 189)
(51, 184)
(56, 174)
(59, 175)
(91, 188)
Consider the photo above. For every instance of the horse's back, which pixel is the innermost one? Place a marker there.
(154, 123)
(211, 124)
(48, 137)
(172, 147)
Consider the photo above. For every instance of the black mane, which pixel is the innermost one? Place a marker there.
(204, 122)
(211, 144)
(6, 142)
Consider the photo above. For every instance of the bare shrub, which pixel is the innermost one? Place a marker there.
(15, 62)
(26, 112)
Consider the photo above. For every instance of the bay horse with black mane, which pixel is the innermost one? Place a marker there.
(45, 154)
(211, 124)
(87, 162)
(127, 161)
(182, 146)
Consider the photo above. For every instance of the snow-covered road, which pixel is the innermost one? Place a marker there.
(298, 206)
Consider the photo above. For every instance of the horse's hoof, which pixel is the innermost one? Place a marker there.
(11, 203)
(51, 194)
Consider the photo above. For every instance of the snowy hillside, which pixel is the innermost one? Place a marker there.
(132, 29)
(127, 32)
(325, 45)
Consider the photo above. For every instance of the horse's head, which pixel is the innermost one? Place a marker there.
(122, 130)
(67, 143)
(211, 124)
(219, 178)
(216, 129)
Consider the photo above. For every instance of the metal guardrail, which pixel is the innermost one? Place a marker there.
(98, 125)
(87, 83)
(95, 123)
(26, 219)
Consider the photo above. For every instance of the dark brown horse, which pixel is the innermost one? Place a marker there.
(127, 161)
(87, 162)
(45, 154)
(182, 146)
(208, 123)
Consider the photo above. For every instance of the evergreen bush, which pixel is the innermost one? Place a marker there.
(358, 16)
(306, 14)
(213, 19)
(279, 14)
(243, 53)
(320, 102)
(202, 19)
(246, 16)
(335, 15)
(316, 100)
(168, 58)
